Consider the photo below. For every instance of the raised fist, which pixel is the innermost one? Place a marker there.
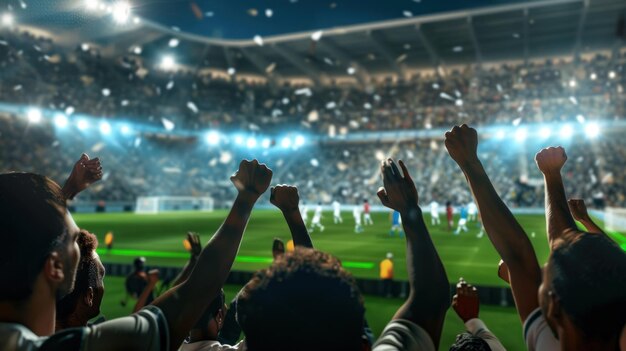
(285, 197)
(578, 209)
(462, 145)
(551, 160)
(84, 173)
(399, 192)
(465, 303)
(252, 178)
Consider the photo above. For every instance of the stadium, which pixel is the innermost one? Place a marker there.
(171, 96)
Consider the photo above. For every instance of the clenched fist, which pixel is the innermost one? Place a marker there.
(551, 160)
(285, 197)
(85, 172)
(465, 303)
(462, 145)
(252, 179)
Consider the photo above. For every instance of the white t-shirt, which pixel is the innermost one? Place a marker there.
(336, 208)
(471, 208)
(145, 330)
(434, 208)
(478, 328)
(212, 346)
(403, 335)
(538, 335)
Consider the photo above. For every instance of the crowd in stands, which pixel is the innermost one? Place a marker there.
(305, 300)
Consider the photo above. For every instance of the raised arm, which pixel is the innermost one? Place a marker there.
(286, 198)
(578, 209)
(183, 305)
(85, 172)
(153, 279)
(429, 295)
(503, 230)
(196, 247)
(558, 217)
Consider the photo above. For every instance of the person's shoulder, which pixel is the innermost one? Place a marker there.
(537, 333)
(17, 337)
(401, 334)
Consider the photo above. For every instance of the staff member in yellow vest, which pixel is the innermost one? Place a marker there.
(386, 274)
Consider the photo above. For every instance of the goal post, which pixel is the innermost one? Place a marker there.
(615, 219)
(157, 204)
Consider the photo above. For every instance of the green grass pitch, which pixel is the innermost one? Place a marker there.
(159, 238)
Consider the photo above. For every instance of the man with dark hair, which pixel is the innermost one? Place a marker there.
(204, 335)
(469, 342)
(39, 257)
(304, 301)
(83, 303)
(583, 290)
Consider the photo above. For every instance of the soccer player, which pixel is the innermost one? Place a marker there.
(396, 224)
(449, 212)
(471, 211)
(367, 218)
(304, 212)
(434, 213)
(356, 213)
(316, 222)
(386, 274)
(462, 221)
(337, 212)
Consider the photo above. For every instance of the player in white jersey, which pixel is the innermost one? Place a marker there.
(434, 213)
(304, 212)
(471, 211)
(337, 212)
(356, 213)
(316, 222)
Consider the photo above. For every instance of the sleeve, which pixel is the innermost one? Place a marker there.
(146, 330)
(401, 334)
(538, 335)
(478, 328)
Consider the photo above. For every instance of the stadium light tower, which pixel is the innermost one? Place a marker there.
(266, 143)
(60, 120)
(125, 129)
(592, 130)
(121, 12)
(299, 141)
(105, 128)
(7, 19)
(168, 62)
(566, 131)
(251, 143)
(34, 115)
(213, 138)
(82, 124)
(521, 134)
(286, 143)
(500, 134)
(545, 132)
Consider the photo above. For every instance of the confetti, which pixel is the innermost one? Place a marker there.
(406, 13)
(173, 42)
(167, 124)
(457, 49)
(573, 100)
(446, 96)
(269, 13)
(17, 87)
(351, 70)
(328, 61)
(517, 121)
(270, 68)
(313, 116)
(316, 36)
(106, 91)
(401, 58)
(84, 47)
(258, 40)
(367, 106)
(253, 12)
(331, 105)
(314, 162)
(192, 106)
(169, 85)
(231, 71)
(304, 91)
(458, 102)
(580, 118)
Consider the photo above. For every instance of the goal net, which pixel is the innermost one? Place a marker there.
(156, 204)
(615, 219)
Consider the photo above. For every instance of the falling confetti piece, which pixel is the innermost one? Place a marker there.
(328, 61)
(192, 106)
(517, 121)
(351, 70)
(316, 36)
(457, 49)
(446, 96)
(106, 92)
(407, 13)
(573, 100)
(173, 42)
(258, 40)
(167, 124)
(231, 71)
(270, 68)
(170, 85)
(269, 13)
(304, 91)
(401, 58)
(253, 12)
(331, 105)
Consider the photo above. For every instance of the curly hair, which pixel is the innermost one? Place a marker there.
(86, 274)
(589, 277)
(32, 225)
(304, 300)
(469, 342)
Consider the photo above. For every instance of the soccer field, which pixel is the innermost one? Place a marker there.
(160, 239)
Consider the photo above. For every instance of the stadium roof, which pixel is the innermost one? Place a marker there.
(460, 35)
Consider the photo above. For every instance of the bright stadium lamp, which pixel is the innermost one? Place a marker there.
(213, 138)
(566, 131)
(592, 130)
(239, 140)
(299, 141)
(266, 143)
(91, 4)
(521, 134)
(286, 143)
(251, 143)
(168, 62)
(121, 12)
(125, 129)
(7, 19)
(545, 132)
(82, 124)
(34, 115)
(500, 134)
(60, 120)
(105, 128)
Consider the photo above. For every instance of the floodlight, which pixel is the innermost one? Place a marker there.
(500, 134)
(125, 129)
(7, 19)
(593, 76)
(168, 62)
(213, 138)
(572, 83)
(521, 134)
(266, 143)
(545, 132)
(251, 143)
(120, 12)
(231, 71)
(82, 124)
(173, 42)
(105, 128)
(34, 115)
(299, 141)
(286, 142)
(592, 130)
(567, 131)
(612, 74)
(239, 140)
(60, 120)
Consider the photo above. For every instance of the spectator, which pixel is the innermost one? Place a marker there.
(83, 303)
(466, 305)
(386, 274)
